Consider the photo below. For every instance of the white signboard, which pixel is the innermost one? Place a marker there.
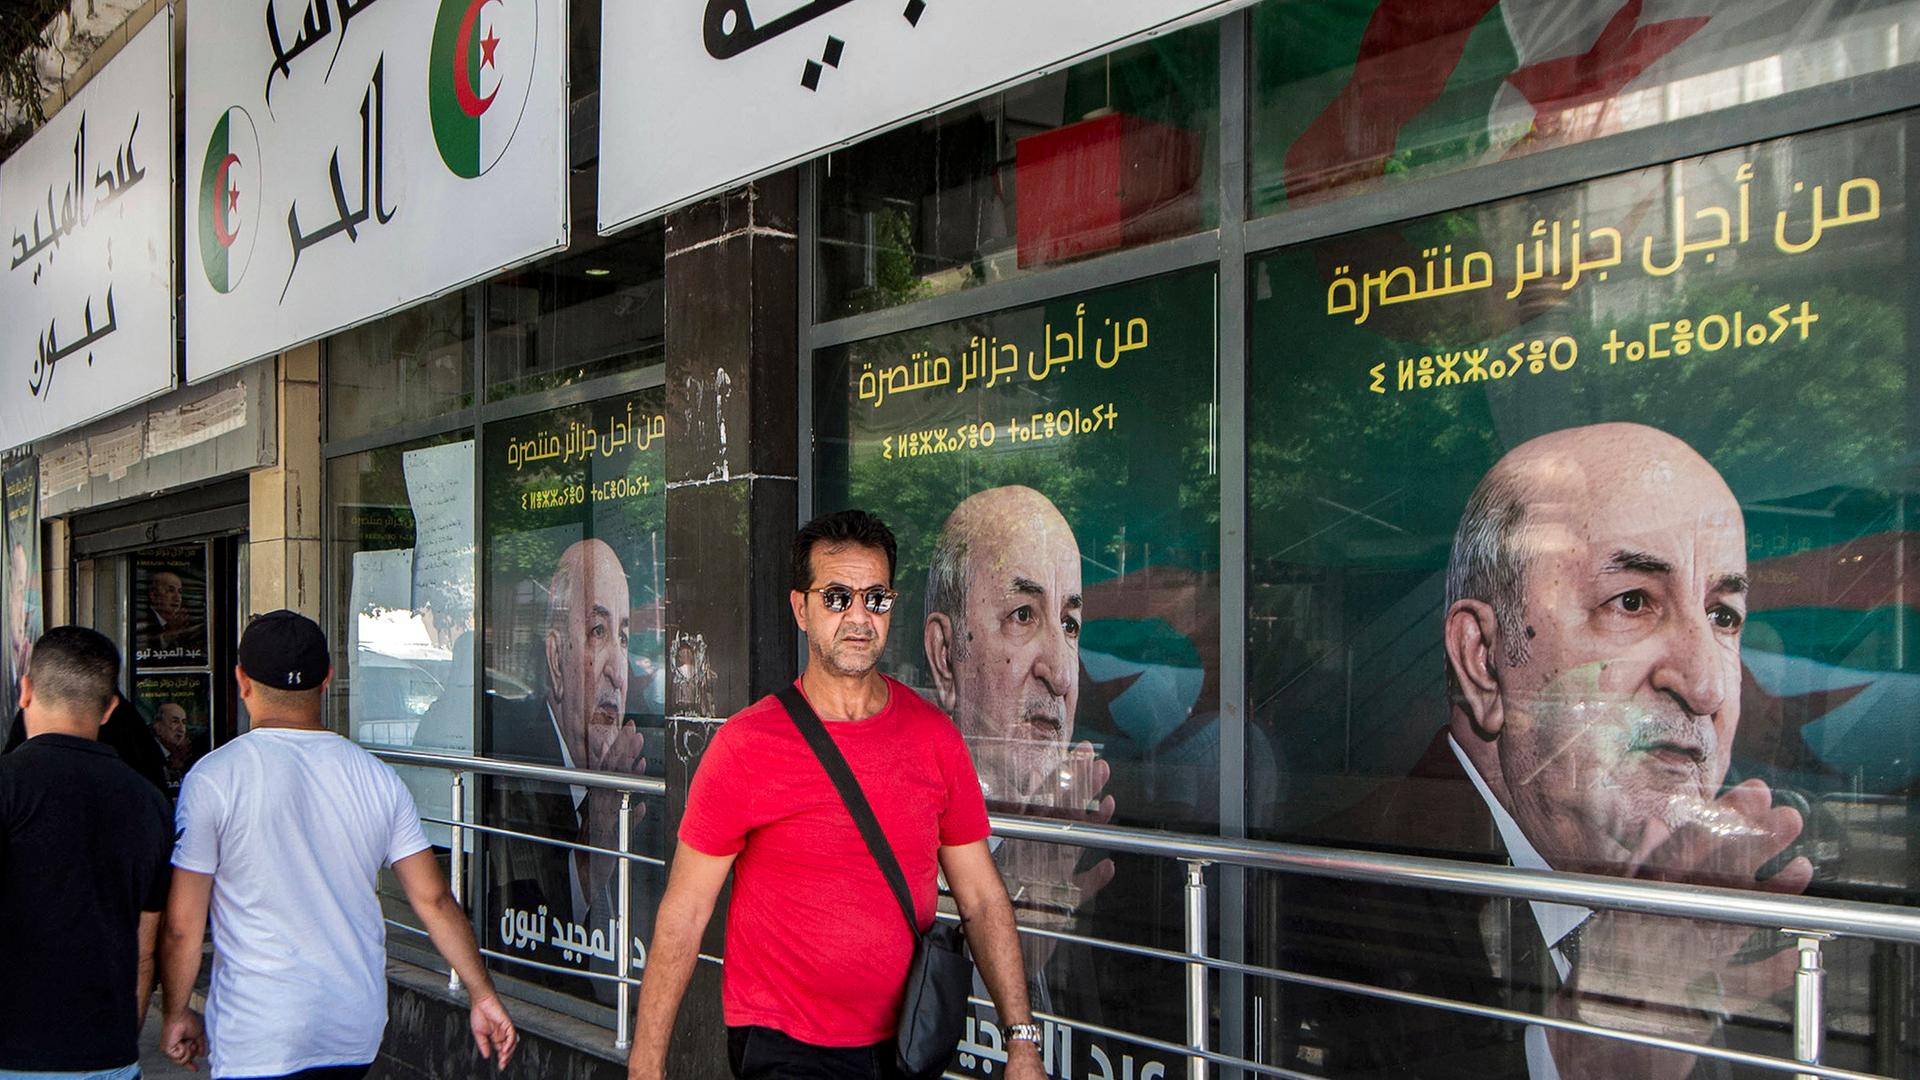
(699, 95)
(86, 291)
(346, 158)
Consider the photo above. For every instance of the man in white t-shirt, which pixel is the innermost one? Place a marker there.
(283, 832)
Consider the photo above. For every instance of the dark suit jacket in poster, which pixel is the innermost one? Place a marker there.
(1484, 950)
(1444, 944)
(523, 875)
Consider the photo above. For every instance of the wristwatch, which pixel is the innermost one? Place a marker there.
(1025, 1032)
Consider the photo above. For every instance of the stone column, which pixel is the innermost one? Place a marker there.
(732, 498)
(283, 519)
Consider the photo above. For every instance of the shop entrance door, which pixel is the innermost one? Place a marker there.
(171, 595)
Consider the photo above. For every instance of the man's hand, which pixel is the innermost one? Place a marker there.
(617, 748)
(183, 1039)
(1044, 880)
(1674, 977)
(493, 1030)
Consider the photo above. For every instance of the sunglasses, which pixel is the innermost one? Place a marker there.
(838, 598)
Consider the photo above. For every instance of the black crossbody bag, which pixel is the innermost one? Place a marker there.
(935, 1010)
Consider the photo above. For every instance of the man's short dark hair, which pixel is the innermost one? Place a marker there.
(837, 530)
(74, 667)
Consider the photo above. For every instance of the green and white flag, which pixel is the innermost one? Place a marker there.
(477, 78)
(229, 193)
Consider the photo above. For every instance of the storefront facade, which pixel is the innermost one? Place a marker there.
(1477, 432)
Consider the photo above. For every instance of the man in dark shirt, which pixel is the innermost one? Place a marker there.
(84, 843)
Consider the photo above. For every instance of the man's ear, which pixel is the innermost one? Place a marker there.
(556, 685)
(798, 600)
(1471, 638)
(26, 691)
(328, 681)
(112, 704)
(938, 638)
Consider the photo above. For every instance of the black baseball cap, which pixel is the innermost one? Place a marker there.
(285, 650)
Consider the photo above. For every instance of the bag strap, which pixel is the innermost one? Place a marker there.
(815, 732)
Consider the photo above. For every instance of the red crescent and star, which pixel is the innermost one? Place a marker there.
(228, 202)
(471, 103)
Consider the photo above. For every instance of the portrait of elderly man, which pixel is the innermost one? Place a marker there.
(1595, 595)
(19, 633)
(169, 620)
(577, 721)
(1002, 638)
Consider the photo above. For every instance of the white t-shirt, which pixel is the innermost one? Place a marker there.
(295, 827)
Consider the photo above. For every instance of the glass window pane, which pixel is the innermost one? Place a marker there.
(1579, 535)
(576, 671)
(1109, 154)
(597, 310)
(1360, 95)
(402, 568)
(1050, 474)
(403, 368)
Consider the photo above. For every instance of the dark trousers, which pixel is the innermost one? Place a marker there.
(764, 1053)
(326, 1072)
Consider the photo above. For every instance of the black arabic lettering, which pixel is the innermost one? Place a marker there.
(373, 184)
(314, 25)
(348, 9)
(51, 352)
(729, 31)
(125, 173)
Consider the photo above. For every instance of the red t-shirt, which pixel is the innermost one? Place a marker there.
(816, 945)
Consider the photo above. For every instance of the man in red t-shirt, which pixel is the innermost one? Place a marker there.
(817, 952)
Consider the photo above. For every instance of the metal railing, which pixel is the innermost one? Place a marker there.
(1810, 922)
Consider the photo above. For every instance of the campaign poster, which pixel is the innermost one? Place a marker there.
(170, 607)
(177, 708)
(575, 512)
(1051, 473)
(1579, 540)
(21, 534)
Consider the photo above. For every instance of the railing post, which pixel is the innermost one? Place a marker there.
(457, 864)
(1809, 1001)
(623, 949)
(1199, 1011)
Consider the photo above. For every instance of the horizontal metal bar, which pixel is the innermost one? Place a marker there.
(1026, 290)
(1406, 997)
(1147, 951)
(1842, 918)
(1842, 101)
(639, 785)
(515, 834)
(447, 423)
(603, 976)
(580, 393)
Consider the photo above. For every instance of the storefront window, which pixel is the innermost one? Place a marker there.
(1051, 475)
(1578, 534)
(402, 565)
(598, 310)
(575, 671)
(1361, 95)
(1109, 154)
(402, 368)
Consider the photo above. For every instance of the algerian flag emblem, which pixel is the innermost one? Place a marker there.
(229, 199)
(478, 76)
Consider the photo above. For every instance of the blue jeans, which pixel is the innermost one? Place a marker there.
(129, 1073)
